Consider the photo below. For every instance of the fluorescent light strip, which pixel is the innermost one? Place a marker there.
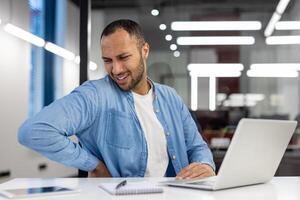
(24, 35)
(276, 66)
(203, 67)
(280, 40)
(247, 97)
(223, 73)
(194, 93)
(215, 25)
(237, 99)
(282, 6)
(274, 73)
(220, 40)
(53, 48)
(212, 94)
(271, 25)
(238, 103)
(287, 25)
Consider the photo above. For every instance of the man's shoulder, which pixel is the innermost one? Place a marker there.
(99, 84)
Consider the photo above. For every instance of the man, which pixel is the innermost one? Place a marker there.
(127, 124)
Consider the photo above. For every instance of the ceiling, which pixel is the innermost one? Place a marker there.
(172, 10)
(244, 5)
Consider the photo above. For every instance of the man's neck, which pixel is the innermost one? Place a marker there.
(143, 88)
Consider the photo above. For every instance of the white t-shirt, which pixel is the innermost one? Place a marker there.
(154, 133)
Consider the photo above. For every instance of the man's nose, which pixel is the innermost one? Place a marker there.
(117, 67)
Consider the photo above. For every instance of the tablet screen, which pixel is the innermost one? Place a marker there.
(38, 190)
(13, 193)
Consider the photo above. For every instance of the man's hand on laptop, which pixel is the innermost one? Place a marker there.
(100, 171)
(196, 170)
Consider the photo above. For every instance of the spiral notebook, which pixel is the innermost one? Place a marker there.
(131, 188)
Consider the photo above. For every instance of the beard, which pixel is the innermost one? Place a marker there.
(136, 76)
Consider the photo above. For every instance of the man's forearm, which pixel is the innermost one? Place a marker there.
(58, 147)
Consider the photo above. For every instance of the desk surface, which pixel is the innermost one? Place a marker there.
(280, 188)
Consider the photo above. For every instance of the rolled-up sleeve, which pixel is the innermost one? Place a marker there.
(197, 149)
(48, 131)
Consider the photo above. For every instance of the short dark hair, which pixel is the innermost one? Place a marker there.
(131, 27)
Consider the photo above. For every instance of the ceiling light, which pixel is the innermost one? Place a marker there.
(22, 34)
(282, 6)
(248, 96)
(273, 73)
(162, 27)
(203, 67)
(221, 73)
(287, 25)
(154, 12)
(219, 40)
(271, 25)
(239, 100)
(92, 66)
(276, 17)
(173, 47)
(168, 37)
(0, 21)
(176, 54)
(276, 66)
(215, 69)
(215, 25)
(279, 40)
(211, 70)
(53, 48)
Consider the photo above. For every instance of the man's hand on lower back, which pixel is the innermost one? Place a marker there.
(100, 171)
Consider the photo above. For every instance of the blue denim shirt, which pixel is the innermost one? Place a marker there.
(103, 118)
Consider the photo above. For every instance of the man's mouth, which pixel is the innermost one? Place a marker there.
(121, 79)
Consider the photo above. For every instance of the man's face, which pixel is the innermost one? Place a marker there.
(124, 59)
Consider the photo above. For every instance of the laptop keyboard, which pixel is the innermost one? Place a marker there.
(210, 183)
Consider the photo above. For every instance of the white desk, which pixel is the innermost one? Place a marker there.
(280, 188)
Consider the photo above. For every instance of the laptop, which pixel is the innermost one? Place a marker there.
(253, 156)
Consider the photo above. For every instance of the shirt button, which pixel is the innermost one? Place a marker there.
(168, 133)
(157, 110)
(173, 157)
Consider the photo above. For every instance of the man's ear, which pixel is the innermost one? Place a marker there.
(145, 50)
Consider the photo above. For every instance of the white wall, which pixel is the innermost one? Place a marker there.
(14, 87)
(97, 25)
(70, 69)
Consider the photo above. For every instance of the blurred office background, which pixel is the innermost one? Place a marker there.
(229, 59)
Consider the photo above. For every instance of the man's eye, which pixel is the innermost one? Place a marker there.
(124, 57)
(107, 61)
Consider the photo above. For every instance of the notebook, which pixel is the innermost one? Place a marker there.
(131, 188)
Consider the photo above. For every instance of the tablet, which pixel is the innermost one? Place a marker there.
(37, 191)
